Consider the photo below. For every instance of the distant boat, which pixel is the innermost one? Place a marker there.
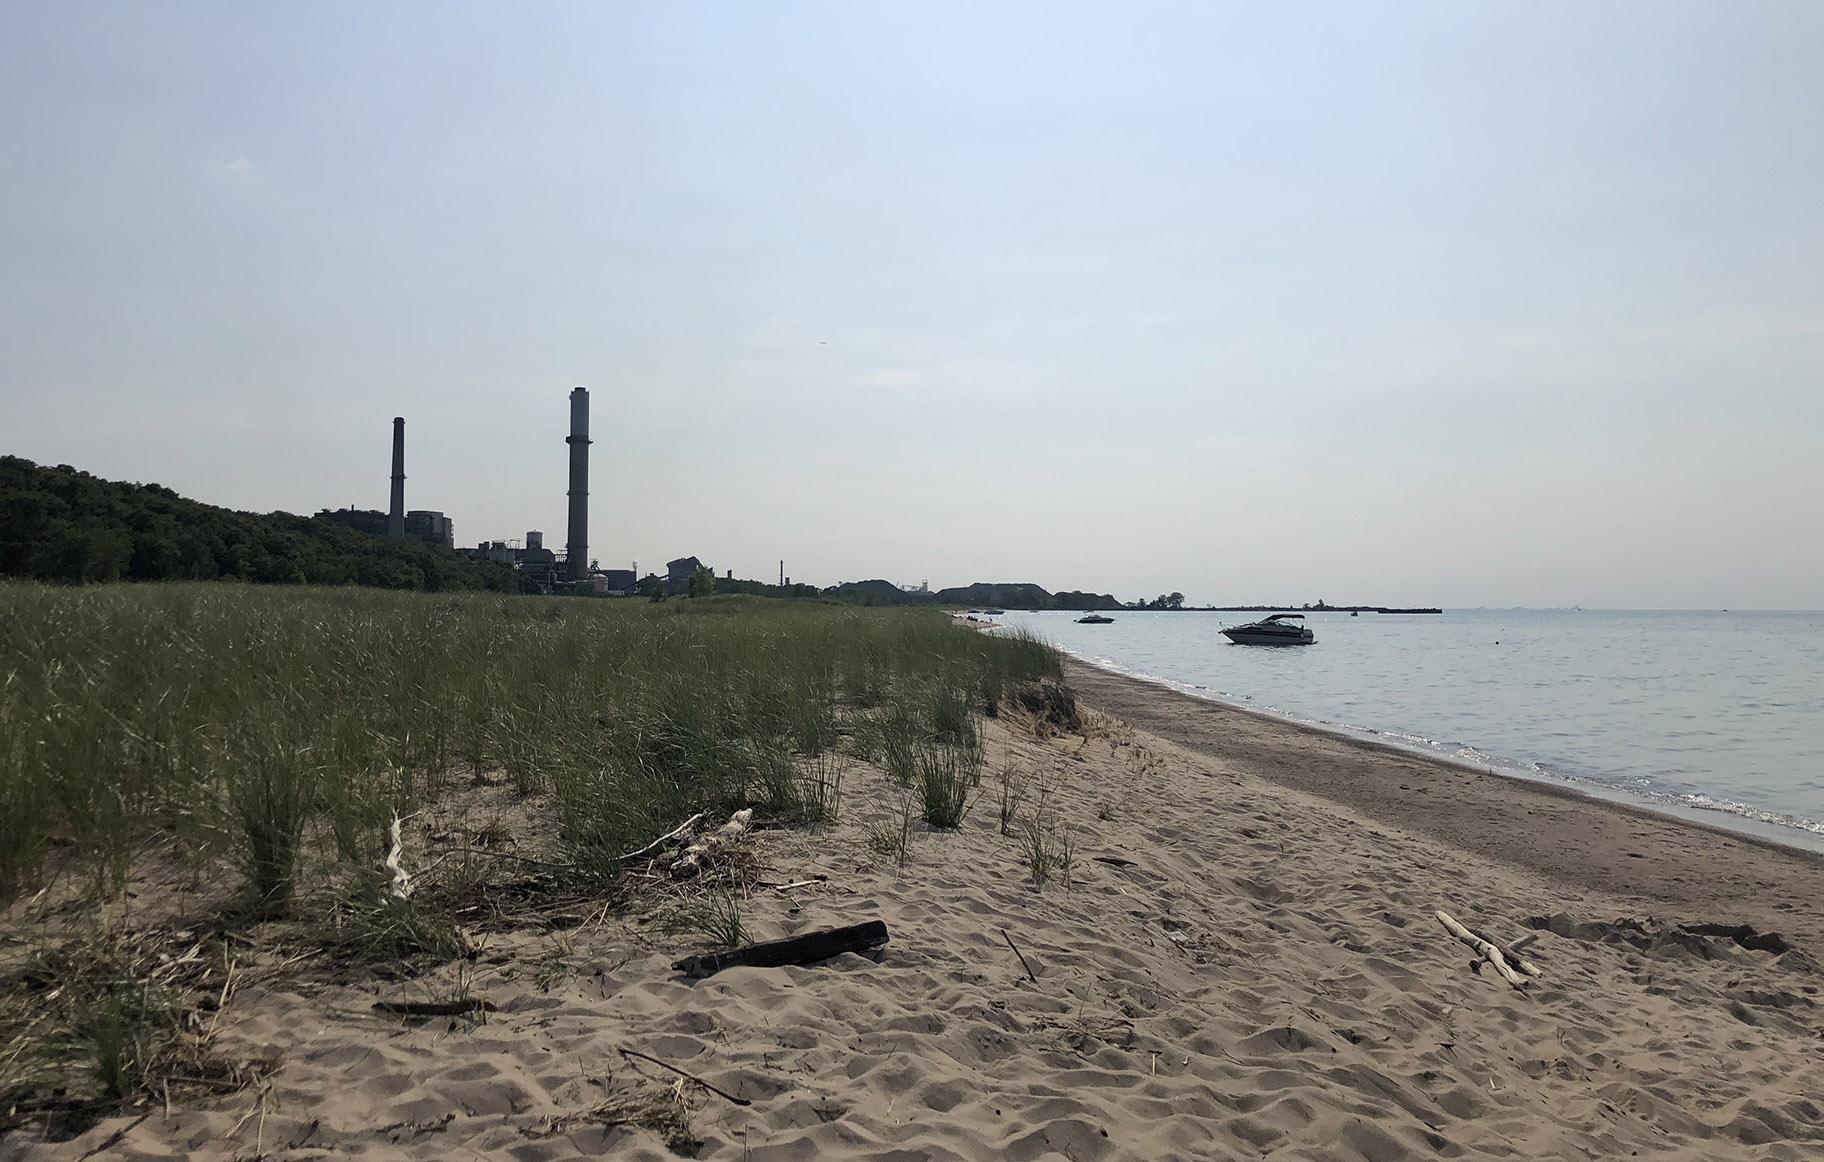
(1276, 630)
(1355, 613)
(1095, 619)
(975, 611)
(994, 612)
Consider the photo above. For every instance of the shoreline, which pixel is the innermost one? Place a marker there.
(1785, 837)
(1568, 835)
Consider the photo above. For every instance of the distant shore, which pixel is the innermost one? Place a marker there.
(1257, 609)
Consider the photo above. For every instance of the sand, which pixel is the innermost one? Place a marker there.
(1265, 979)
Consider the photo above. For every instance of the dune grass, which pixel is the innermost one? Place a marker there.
(262, 729)
(267, 738)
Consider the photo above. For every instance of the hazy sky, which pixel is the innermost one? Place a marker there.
(1418, 303)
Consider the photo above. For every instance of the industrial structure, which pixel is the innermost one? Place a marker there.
(427, 525)
(536, 561)
(395, 520)
(576, 548)
(570, 571)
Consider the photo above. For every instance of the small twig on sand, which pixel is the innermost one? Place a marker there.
(682, 830)
(798, 884)
(1031, 975)
(525, 859)
(740, 1101)
(116, 1136)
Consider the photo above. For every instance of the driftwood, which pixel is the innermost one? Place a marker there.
(1030, 975)
(1512, 951)
(402, 880)
(785, 889)
(806, 948)
(815, 878)
(683, 831)
(634, 1053)
(727, 835)
(1490, 951)
(433, 1008)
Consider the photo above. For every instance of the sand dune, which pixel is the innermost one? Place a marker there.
(1265, 979)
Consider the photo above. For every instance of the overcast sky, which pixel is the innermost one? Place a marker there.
(1418, 303)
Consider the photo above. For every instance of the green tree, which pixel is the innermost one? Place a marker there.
(702, 582)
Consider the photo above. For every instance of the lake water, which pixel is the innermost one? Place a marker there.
(1715, 716)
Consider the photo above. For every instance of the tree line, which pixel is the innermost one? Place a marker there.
(64, 525)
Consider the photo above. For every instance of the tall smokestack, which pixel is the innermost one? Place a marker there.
(577, 559)
(395, 517)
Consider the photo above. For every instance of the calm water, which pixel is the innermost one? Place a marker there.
(1713, 716)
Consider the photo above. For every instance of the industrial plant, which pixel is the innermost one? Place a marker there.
(433, 528)
(571, 571)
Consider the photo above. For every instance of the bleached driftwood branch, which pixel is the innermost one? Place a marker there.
(727, 835)
(1490, 951)
(402, 880)
(1512, 951)
(683, 831)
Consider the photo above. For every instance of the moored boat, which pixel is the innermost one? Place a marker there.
(1275, 630)
(1095, 619)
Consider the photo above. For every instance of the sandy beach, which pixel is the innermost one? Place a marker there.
(1245, 962)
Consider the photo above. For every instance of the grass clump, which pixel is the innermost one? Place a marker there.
(1013, 793)
(820, 791)
(715, 915)
(945, 777)
(91, 1025)
(368, 925)
(1048, 851)
(892, 839)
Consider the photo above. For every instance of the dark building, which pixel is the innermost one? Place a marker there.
(363, 520)
(535, 561)
(679, 572)
(433, 528)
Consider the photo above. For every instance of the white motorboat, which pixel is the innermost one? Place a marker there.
(1275, 630)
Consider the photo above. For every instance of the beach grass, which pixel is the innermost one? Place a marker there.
(269, 730)
(261, 745)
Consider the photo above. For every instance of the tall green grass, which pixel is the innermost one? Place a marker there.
(256, 726)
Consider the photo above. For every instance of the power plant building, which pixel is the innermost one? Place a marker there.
(433, 528)
(550, 569)
(427, 525)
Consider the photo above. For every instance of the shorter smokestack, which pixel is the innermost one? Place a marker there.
(395, 517)
(535, 540)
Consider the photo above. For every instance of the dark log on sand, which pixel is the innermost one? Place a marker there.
(433, 1008)
(806, 948)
